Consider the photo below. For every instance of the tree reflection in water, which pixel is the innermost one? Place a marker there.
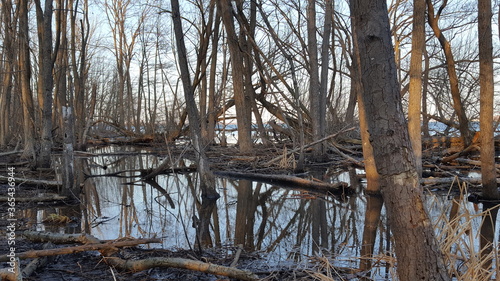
(280, 223)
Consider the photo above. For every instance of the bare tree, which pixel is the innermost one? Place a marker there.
(416, 246)
(24, 67)
(433, 20)
(241, 97)
(46, 61)
(314, 86)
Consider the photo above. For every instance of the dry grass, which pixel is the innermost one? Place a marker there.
(457, 234)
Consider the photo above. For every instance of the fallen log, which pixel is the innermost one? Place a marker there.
(46, 198)
(144, 264)
(76, 249)
(450, 180)
(340, 188)
(4, 179)
(60, 238)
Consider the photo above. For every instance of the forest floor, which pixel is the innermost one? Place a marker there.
(89, 265)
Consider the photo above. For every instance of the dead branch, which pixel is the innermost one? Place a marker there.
(4, 179)
(60, 238)
(11, 152)
(76, 249)
(144, 264)
(47, 197)
(274, 160)
(340, 188)
(450, 180)
(454, 156)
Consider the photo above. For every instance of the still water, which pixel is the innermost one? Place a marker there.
(285, 226)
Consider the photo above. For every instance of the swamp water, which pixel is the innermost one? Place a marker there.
(286, 227)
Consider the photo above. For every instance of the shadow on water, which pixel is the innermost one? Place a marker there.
(283, 225)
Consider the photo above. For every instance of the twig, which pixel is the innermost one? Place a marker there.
(306, 146)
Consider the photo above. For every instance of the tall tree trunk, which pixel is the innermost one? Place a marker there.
(207, 180)
(25, 74)
(8, 62)
(488, 170)
(211, 114)
(433, 19)
(415, 89)
(241, 98)
(417, 250)
(314, 84)
(325, 62)
(45, 80)
(79, 69)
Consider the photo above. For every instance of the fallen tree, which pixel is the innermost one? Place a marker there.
(4, 179)
(144, 264)
(112, 246)
(60, 238)
(339, 188)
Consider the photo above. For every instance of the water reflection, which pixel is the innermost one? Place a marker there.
(282, 224)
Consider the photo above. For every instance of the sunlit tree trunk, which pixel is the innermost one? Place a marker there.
(417, 251)
(488, 169)
(415, 90)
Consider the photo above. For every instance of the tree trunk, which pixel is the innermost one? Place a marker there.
(325, 62)
(207, 180)
(45, 80)
(26, 95)
(8, 62)
(417, 250)
(488, 170)
(314, 86)
(433, 19)
(415, 89)
(241, 98)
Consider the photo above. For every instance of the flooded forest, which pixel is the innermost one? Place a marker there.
(249, 140)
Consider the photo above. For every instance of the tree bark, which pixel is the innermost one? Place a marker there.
(314, 84)
(488, 169)
(207, 181)
(241, 98)
(417, 251)
(415, 89)
(26, 95)
(45, 80)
